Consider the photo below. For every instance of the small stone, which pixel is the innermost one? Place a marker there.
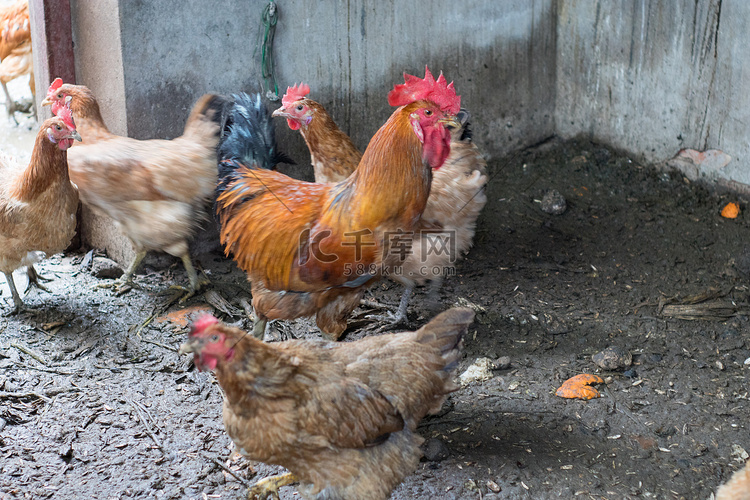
(104, 268)
(501, 363)
(613, 358)
(553, 202)
(435, 450)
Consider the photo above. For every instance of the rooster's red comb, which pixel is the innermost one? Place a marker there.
(203, 323)
(295, 93)
(66, 114)
(416, 89)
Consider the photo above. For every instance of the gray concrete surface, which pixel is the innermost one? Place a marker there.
(652, 77)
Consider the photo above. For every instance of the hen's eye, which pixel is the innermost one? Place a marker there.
(58, 127)
(299, 107)
(427, 112)
(60, 96)
(214, 338)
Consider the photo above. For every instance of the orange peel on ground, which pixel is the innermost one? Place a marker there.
(730, 211)
(579, 387)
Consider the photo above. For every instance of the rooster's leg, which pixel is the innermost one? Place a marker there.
(398, 318)
(433, 295)
(270, 486)
(125, 283)
(14, 293)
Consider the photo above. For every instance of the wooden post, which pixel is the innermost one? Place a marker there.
(52, 43)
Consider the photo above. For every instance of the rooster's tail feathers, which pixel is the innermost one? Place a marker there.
(250, 136)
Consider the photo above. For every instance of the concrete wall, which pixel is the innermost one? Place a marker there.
(148, 61)
(501, 56)
(652, 77)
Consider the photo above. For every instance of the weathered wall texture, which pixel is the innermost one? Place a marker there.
(500, 54)
(652, 77)
(98, 56)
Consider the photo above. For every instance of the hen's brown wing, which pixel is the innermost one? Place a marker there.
(124, 169)
(347, 414)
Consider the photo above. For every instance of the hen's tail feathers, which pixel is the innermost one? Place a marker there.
(211, 108)
(446, 332)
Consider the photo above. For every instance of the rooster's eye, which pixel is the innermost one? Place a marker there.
(299, 107)
(214, 338)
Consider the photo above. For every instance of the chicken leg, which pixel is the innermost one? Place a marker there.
(10, 105)
(35, 278)
(270, 486)
(398, 318)
(125, 282)
(14, 293)
(195, 282)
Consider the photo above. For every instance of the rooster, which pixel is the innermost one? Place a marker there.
(38, 203)
(153, 189)
(15, 51)
(313, 248)
(341, 417)
(447, 226)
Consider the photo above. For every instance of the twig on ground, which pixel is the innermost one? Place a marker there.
(163, 346)
(30, 352)
(227, 469)
(150, 433)
(24, 395)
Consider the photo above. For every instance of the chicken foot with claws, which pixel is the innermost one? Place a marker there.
(270, 486)
(398, 318)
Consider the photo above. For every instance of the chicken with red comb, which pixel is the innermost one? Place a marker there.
(340, 416)
(456, 194)
(314, 248)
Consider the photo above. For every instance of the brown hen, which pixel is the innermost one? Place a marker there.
(341, 417)
(38, 203)
(154, 190)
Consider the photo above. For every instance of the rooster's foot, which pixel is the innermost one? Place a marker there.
(269, 487)
(392, 320)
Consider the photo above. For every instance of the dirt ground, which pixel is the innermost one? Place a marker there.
(96, 403)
